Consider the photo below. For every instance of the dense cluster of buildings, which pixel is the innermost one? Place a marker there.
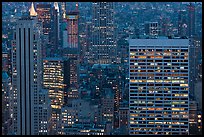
(69, 70)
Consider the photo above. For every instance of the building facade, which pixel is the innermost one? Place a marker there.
(44, 15)
(159, 86)
(7, 104)
(26, 75)
(55, 33)
(151, 28)
(191, 19)
(182, 23)
(72, 29)
(103, 49)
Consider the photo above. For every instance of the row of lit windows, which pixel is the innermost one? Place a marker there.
(167, 81)
(185, 114)
(147, 49)
(136, 79)
(159, 53)
(157, 84)
(159, 60)
(155, 64)
(159, 57)
(143, 67)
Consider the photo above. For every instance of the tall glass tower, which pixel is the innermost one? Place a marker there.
(103, 49)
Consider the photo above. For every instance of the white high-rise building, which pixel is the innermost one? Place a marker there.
(27, 74)
(159, 86)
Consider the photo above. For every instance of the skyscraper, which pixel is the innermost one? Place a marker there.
(159, 86)
(73, 68)
(54, 33)
(191, 19)
(72, 28)
(63, 6)
(27, 74)
(44, 15)
(182, 23)
(194, 53)
(103, 49)
(7, 104)
(71, 50)
(151, 28)
(56, 81)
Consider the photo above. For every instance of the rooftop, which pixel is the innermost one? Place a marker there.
(160, 41)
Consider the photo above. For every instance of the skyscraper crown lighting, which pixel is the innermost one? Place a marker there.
(32, 10)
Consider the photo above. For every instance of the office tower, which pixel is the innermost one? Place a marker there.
(73, 67)
(71, 47)
(55, 79)
(123, 118)
(151, 29)
(44, 15)
(107, 110)
(27, 74)
(45, 113)
(87, 43)
(54, 33)
(195, 49)
(72, 28)
(182, 23)
(65, 38)
(191, 19)
(72, 94)
(103, 49)
(159, 86)
(193, 118)
(7, 104)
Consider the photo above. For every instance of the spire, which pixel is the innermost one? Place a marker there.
(77, 6)
(32, 10)
(56, 6)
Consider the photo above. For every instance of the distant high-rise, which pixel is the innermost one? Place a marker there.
(55, 33)
(72, 28)
(103, 49)
(44, 15)
(56, 81)
(182, 23)
(71, 47)
(152, 28)
(159, 86)
(191, 19)
(63, 6)
(27, 74)
(7, 104)
(73, 66)
(194, 53)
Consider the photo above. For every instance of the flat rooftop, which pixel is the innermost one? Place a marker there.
(158, 42)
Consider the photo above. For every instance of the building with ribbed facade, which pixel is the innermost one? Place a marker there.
(27, 74)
